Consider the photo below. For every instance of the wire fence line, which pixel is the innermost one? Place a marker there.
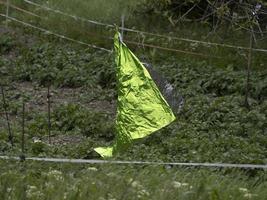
(143, 32)
(55, 34)
(68, 15)
(170, 49)
(131, 42)
(20, 9)
(120, 162)
(142, 44)
(110, 38)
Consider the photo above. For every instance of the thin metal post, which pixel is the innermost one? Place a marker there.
(249, 68)
(10, 137)
(49, 113)
(23, 129)
(22, 156)
(7, 11)
(122, 26)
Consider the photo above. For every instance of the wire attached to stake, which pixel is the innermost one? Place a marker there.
(7, 12)
(131, 30)
(101, 48)
(20, 9)
(56, 34)
(143, 32)
(122, 25)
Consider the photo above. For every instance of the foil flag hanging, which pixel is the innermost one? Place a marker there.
(141, 108)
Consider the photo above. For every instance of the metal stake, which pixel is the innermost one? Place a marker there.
(49, 113)
(122, 26)
(249, 68)
(10, 137)
(22, 157)
(7, 12)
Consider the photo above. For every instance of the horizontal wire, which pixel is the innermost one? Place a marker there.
(152, 46)
(68, 15)
(119, 162)
(170, 49)
(20, 9)
(144, 32)
(55, 34)
(157, 47)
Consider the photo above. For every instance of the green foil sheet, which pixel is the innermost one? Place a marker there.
(141, 108)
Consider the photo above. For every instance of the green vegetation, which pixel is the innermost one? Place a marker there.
(83, 104)
(213, 126)
(138, 16)
(65, 181)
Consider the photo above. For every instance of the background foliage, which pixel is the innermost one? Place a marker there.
(213, 126)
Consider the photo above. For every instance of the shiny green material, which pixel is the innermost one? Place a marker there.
(141, 108)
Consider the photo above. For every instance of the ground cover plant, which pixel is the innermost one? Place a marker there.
(214, 124)
(33, 180)
(83, 89)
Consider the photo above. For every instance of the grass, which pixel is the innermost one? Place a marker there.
(33, 180)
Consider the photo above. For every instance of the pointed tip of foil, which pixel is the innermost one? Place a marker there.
(104, 152)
